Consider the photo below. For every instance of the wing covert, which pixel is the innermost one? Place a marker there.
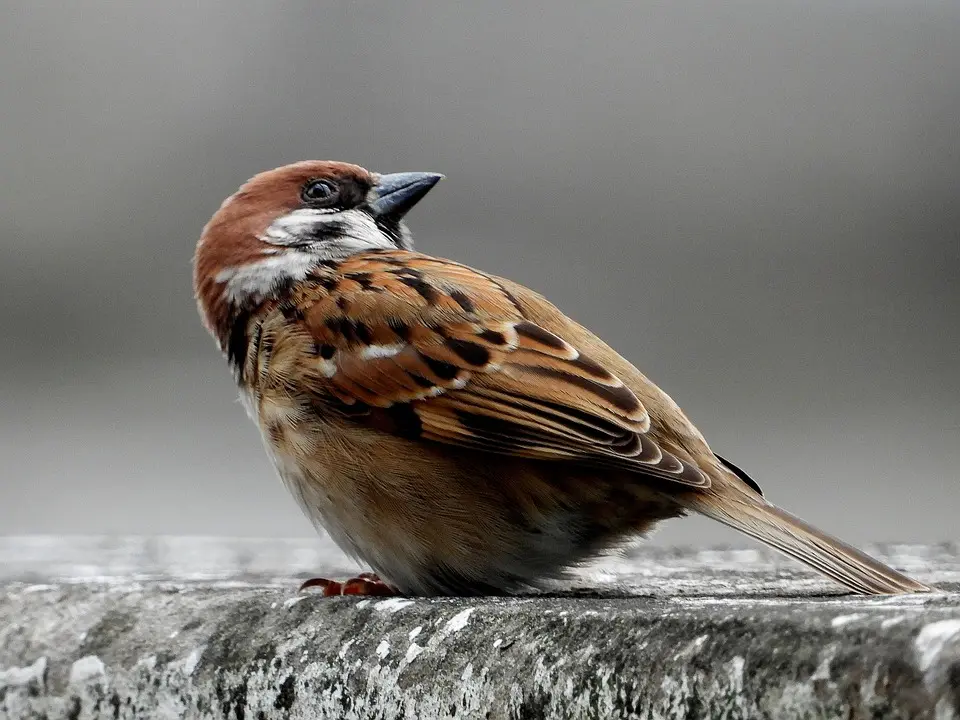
(434, 350)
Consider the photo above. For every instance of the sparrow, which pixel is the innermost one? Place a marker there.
(452, 429)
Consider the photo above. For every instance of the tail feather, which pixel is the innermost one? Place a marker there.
(793, 537)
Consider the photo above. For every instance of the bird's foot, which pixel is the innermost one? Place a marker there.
(363, 584)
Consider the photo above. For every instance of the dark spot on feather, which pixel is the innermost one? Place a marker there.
(463, 300)
(326, 351)
(425, 289)
(538, 334)
(474, 354)
(328, 282)
(399, 419)
(620, 397)
(362, 278)
(318, 234)
(342, 327)
(494, 337)
(421, 380)
(483, 425)
(363, 332)
(357, 409)
(282, 286)
(508, 295)
(342, 302)
(592, 367)
(407, 272)
(291, 311)
(237, 342)
(443, 370)
(264, 347)
(400, 328)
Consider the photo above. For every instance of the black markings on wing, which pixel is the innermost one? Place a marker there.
(447, 355)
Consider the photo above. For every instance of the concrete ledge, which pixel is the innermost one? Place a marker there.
(171, 628)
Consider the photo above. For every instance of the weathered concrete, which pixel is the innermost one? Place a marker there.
(170, 628)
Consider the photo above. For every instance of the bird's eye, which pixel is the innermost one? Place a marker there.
(319, 192)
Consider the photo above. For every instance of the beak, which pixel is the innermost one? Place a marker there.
(397, 193)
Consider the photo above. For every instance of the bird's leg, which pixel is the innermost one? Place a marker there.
(362, 584)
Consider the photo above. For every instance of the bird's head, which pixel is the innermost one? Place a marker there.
(284, 222)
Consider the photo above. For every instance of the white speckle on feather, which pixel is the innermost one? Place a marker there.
(345, 649)
(290, 602)
(372, 352)
(467, 672)
(416, 631)
(891, 621)
(327, 367)
(383, 649)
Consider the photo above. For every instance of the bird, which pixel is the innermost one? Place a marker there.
(451, 429)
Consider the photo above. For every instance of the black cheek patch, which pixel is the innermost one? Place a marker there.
(238, 342)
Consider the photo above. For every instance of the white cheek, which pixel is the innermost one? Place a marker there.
(254, 281)
(349, 231)
(288, 255)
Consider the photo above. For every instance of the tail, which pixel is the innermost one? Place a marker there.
(790, 535)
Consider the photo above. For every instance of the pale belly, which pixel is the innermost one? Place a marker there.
(434, 521)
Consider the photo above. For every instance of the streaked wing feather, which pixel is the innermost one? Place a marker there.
(446, 355)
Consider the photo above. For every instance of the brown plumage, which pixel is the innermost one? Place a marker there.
(453, 429)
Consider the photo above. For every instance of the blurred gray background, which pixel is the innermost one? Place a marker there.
(755, 202)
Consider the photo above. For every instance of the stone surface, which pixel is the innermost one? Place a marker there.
(200, 628)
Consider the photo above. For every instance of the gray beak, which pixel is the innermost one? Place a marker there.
(397, 193)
